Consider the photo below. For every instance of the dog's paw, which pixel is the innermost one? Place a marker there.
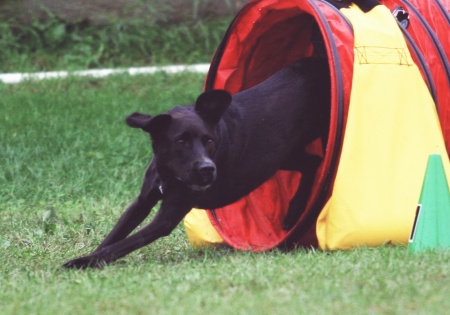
(85, 262)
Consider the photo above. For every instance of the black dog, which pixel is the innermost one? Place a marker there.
(213, 153)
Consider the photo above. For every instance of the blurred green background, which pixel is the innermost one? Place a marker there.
(56, 34)
(104, 11)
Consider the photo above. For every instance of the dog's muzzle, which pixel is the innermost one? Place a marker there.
(205, 174)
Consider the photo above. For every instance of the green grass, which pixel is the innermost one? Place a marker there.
(69, 166)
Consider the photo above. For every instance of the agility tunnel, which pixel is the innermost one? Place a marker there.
(390, 109)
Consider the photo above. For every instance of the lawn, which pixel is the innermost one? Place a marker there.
(69, 166)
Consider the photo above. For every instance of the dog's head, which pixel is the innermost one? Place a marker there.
(184, 139)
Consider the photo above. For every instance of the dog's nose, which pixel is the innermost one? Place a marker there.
(206, 170)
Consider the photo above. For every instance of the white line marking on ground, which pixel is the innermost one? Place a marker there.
(14, 78)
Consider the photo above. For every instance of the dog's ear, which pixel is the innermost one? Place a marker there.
(148, 123)
(212, 104)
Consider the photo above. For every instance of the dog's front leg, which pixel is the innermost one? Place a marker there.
(130, 219)
(149, 195)
(140, 208)
(168, 217)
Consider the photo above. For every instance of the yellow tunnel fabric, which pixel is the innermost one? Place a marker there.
(200, 231)
(391, 130)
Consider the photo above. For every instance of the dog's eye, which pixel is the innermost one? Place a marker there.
(182, 139)
(182, 142)
(208, 142)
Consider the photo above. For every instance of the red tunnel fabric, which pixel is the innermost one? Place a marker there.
(429, 43)
(265, 37)
(268, 35)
